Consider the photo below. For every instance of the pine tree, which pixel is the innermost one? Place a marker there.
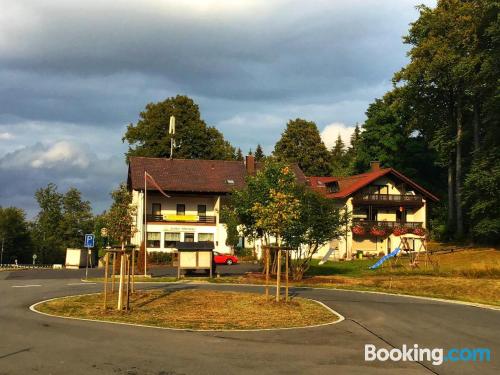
(259, 153)
(239, 155)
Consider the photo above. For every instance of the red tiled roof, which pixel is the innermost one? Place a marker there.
(351, 184)
(193, 175)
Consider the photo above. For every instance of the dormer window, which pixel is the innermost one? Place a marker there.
(332, 187)
(230, 182)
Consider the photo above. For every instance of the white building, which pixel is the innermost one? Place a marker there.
(197, 190)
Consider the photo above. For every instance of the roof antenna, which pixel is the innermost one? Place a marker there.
(171, 131)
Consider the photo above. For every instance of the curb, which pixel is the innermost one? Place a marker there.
(339, 316)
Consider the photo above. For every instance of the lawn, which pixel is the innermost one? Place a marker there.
(196, 309)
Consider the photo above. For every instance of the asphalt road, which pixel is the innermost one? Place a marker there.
(31, 343)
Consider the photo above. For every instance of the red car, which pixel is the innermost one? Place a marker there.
(224, 258)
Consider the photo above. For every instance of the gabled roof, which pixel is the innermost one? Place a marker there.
(193, 175)
(188, 175)
(351, 184)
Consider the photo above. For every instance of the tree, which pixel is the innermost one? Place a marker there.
(46, 229)
(193, 138)
(77, 218)
(239, 155)
(481, 196)
(339, 160)
(453, 74)
(15, 236)
(301, 143)
(259, 153)
(319, 221)
(120, 217)
(273, 206)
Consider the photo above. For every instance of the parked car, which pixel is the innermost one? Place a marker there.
(225, 258)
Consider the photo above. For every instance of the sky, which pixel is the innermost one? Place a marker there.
(73, 75)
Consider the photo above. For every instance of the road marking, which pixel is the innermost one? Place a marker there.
(81, 284)
(25, 286)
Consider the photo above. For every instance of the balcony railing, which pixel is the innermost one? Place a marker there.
(182, 218)
(388, 224)
(384, 199)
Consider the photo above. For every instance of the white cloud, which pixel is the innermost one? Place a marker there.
(61, 152)
(5, 136)
(61, 155)
(332, 131)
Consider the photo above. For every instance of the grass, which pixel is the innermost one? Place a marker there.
(471, 275)
(196, 309)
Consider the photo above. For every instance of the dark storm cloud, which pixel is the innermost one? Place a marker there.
(78, 72)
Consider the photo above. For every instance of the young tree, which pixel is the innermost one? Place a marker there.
(319, 222)
(302, 143)
(274, 205)
(194, 139)
(15, 236)
(120, 217)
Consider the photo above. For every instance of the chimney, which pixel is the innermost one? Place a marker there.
(374, 165)
(250, 164)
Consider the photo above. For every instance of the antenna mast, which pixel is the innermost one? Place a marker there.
(171, 131)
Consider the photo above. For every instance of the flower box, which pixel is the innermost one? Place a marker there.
(419, 232)
(399, 231)
(378, 231)
(359, 230)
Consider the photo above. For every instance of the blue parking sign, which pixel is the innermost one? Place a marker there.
(89, 240)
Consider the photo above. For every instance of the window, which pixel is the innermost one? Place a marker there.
(206, 237)
(333, 187)
(181, 209)
(202, 210)
(171, 238)
(154, 239)
(156, 209)
(188, 237)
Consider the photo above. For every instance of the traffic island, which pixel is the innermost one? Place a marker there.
(195, 309)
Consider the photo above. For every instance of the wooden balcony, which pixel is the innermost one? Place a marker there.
(181, 219)
(387, 224)
(388, 199)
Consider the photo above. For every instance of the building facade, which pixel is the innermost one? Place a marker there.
(196, 189)
(383, 205)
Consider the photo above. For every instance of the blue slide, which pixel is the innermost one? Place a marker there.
(385, 257)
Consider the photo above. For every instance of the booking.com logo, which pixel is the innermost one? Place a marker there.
(437, 356)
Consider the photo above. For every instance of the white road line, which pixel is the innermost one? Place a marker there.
(25, 286)
(81, 284)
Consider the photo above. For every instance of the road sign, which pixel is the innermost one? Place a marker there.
(89, 240)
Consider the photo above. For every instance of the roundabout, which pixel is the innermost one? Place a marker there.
(36, 343)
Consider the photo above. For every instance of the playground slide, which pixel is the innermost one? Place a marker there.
(327, 255)
(385, 257)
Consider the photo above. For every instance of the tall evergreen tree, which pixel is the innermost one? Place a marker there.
(239, 155)
(302, 143)
(259, 153)
(339, 161)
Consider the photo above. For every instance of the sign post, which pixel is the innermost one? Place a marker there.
(34, 258)
(89, 243)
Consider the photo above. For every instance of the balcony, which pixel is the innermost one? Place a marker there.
(181, 219)
(388, 199)
(387, 224)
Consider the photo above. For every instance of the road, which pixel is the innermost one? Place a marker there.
(36, 344)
